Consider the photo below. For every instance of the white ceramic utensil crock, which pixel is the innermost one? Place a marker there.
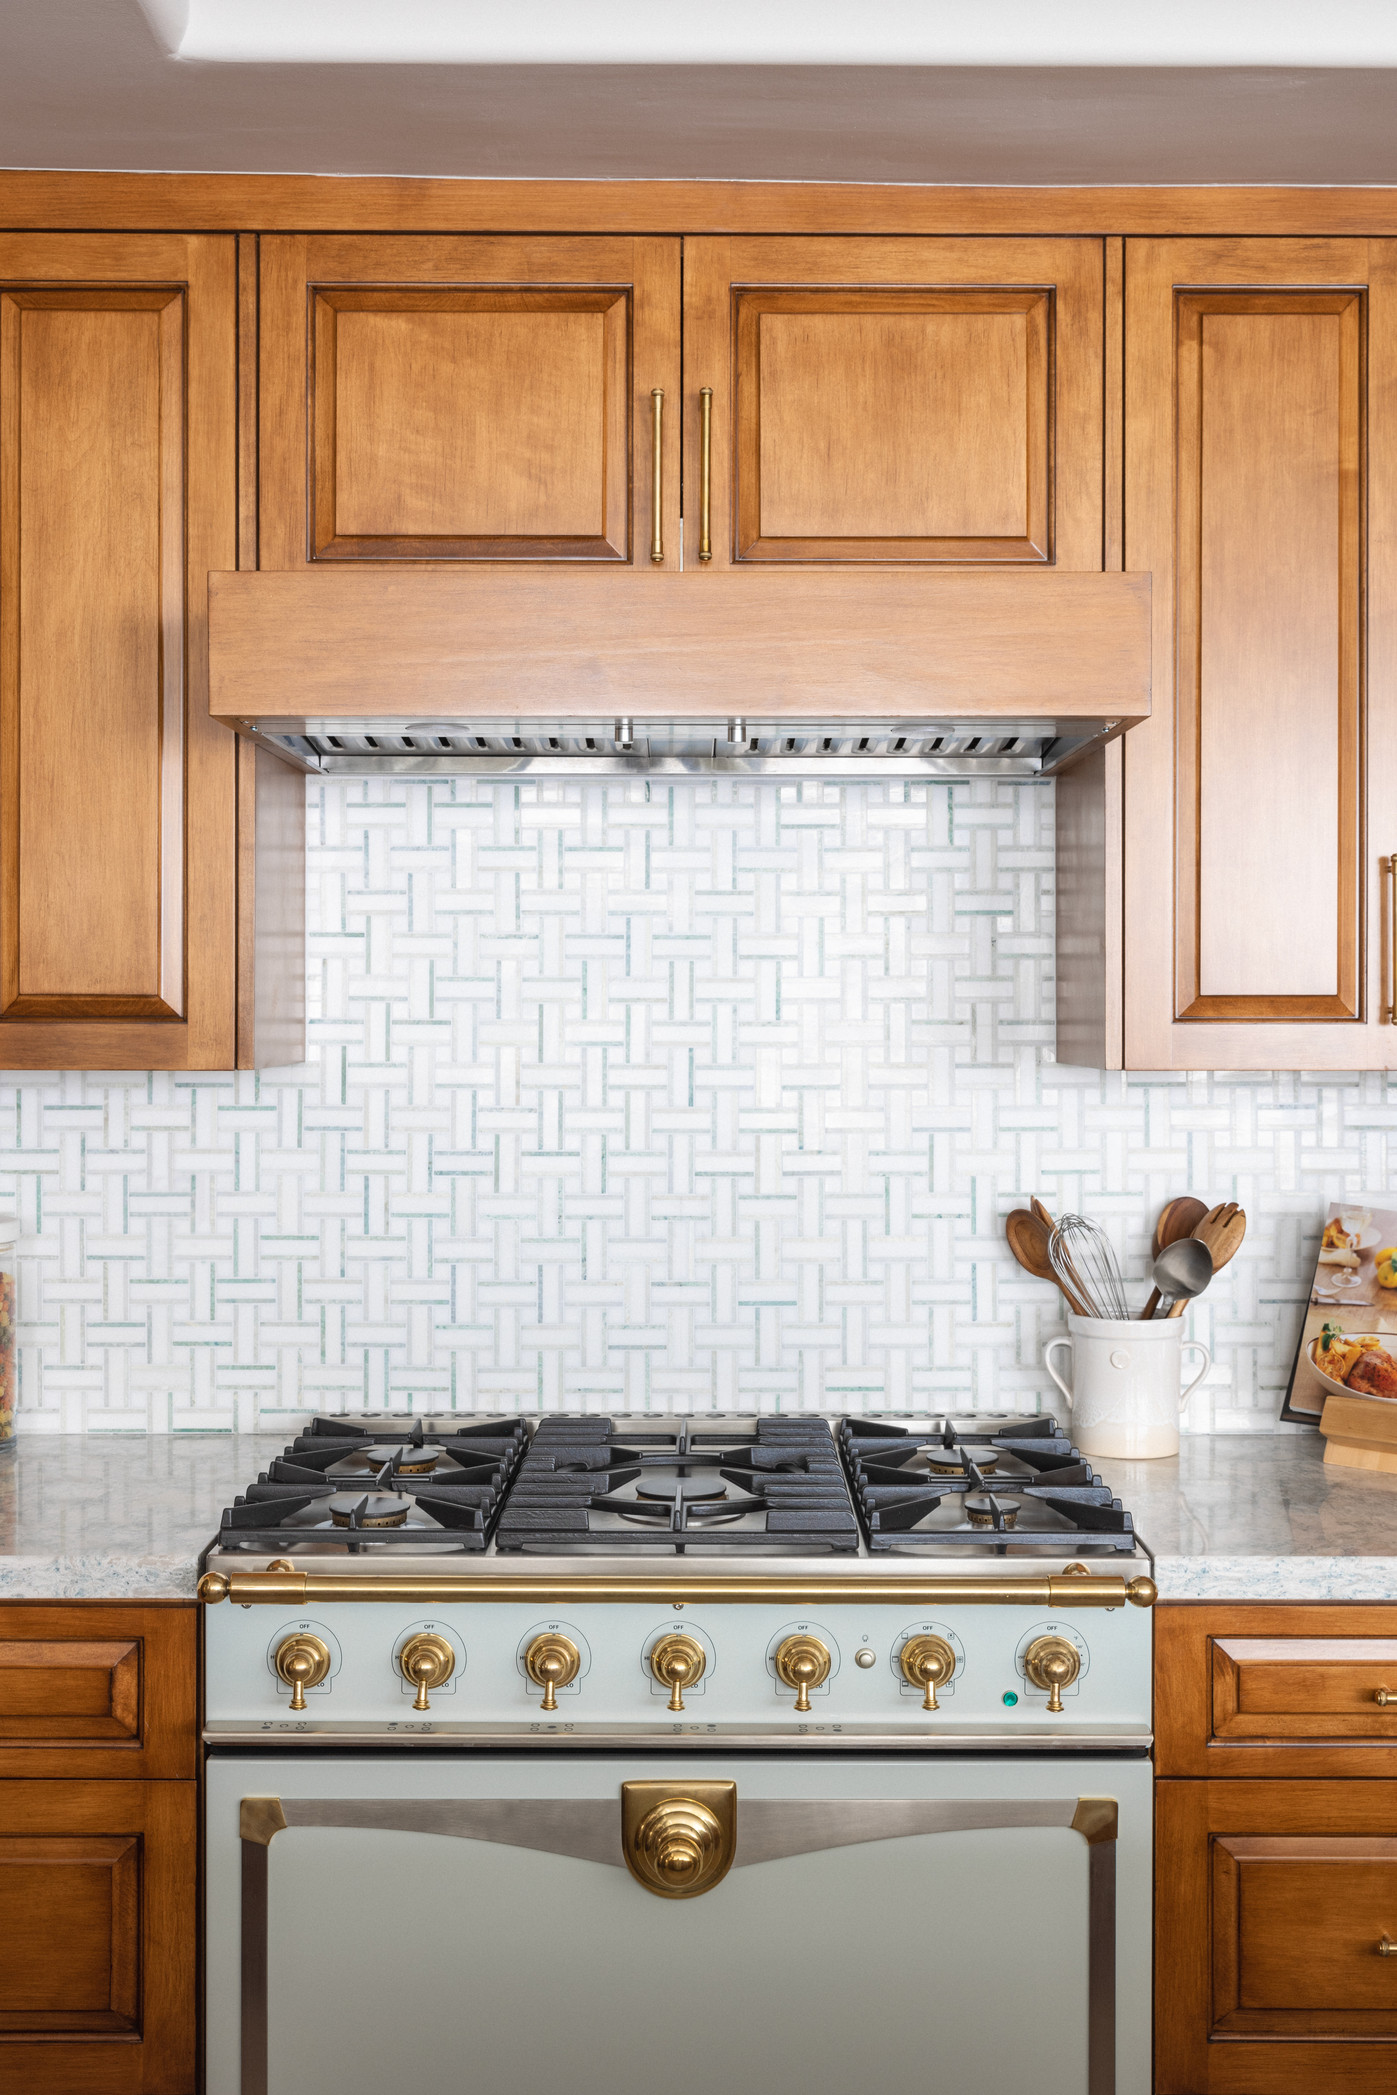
(1124, 1396)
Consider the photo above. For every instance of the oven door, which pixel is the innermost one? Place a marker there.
(774, 1926)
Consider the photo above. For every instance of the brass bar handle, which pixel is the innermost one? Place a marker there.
(297, 1589)
(705, 472)
(657, 478)
(1391, 864)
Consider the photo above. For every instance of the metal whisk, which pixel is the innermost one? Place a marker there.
(1085, 1263)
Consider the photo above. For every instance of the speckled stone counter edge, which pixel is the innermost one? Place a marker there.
(1276, 1578)
(99, 1577)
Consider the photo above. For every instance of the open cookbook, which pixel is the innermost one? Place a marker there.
(1348, 1343)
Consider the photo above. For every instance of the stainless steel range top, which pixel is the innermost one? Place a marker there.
(899, 1581)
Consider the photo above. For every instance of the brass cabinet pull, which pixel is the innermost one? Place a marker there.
(705, 472)
(1382, 1696)
(657, 478)
(1387, 1947)
(1390, 864)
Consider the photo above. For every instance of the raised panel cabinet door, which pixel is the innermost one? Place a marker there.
(896, 400)
(441, 399)
(1261, 492)
(1275, 1910)
(117, 495)
(98, 1906)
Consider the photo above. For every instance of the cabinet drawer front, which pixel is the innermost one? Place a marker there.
(70, 1690)
(1304, 1688)
(1268, 1689)
(91, 1690)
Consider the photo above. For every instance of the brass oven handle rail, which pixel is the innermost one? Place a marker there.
(292, 1588)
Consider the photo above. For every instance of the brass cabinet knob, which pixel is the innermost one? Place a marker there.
(802, 1663)
(928, 1662)
(302, 1662)
(552, 1662)
(426, 1661)
(1387, 1947)
(1382, 1696)
(678, 1662)
(1052, 1663)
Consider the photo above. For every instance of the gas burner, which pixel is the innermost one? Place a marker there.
(372, 1509)
(953, 1484)
(991, 1509)
(769, 1484)
(424, 1484)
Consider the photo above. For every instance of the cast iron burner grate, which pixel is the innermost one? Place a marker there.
(1010, 1485)
(771, 1485)
(381, 1482)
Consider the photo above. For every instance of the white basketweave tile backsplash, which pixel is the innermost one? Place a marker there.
(648, 1096)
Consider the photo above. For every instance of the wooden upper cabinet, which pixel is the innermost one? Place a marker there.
(1261, 492)
(440, 399)
(117, 495)
(894, 400)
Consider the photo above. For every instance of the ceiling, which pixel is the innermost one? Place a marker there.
(787, 90)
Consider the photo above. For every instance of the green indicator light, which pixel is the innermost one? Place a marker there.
(1010, 1699)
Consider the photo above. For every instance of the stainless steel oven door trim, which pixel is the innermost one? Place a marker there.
(768, 1830)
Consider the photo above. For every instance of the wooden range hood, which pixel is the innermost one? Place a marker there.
(840, 671)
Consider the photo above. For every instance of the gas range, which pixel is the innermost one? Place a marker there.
(765, 1578)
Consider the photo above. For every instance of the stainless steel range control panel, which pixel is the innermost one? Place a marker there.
(395, 1670)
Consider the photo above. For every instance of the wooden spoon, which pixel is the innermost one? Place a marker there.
(1177, 1218)
(1028, 1240)
(1222, 1230)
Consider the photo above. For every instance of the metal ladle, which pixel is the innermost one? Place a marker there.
(1182, 1270)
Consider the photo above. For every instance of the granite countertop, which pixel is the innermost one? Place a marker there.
(1238, 1516)
(1258, 1516)
(118, 1516)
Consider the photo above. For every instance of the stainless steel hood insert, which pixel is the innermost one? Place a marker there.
(782, 750)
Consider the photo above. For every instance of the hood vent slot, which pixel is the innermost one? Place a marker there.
(685, 749)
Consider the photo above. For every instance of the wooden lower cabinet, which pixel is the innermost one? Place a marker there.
(99, 1848)
(97, 1919)
(1273, 1903)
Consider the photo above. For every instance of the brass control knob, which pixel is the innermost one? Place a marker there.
(678, 1662)
(1052, 1663)
(552, 1662)
(802, 1663)
(426, 1661)
(928, 1662)
(302, 1662)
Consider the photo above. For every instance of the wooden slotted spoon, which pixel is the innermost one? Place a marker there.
(1222, 1230)
(1177, 1218)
